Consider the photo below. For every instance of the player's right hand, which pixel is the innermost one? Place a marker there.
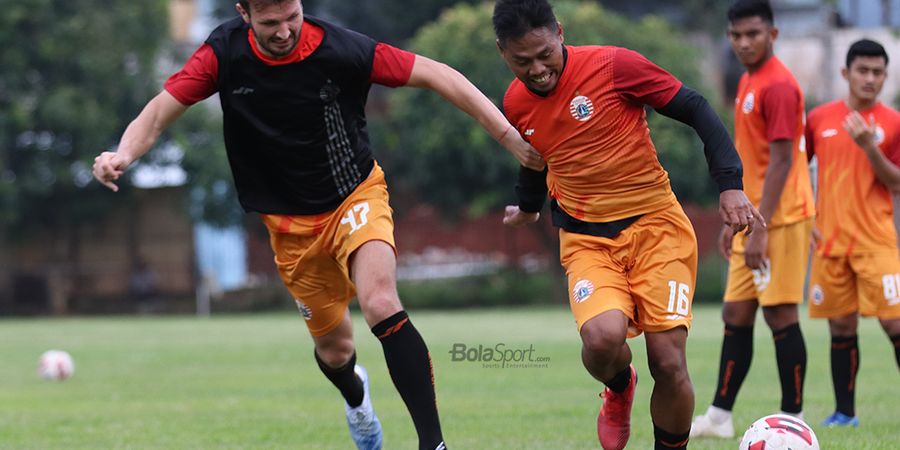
(515, 217)
(108, 167)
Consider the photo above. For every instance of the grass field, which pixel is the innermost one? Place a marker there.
(250, 382)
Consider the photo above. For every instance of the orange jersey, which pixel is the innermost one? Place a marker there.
(592, 131)
(855, 209)
(768, 108)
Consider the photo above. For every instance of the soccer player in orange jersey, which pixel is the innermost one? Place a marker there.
(293, 91)
(629, 251)
(856, 267)
(768, 268)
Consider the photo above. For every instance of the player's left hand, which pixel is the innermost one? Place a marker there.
(515, 217)
(863, 133)
(738, 213)
(756, 250)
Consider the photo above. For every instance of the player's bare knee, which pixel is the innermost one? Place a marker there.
(669, 368)
(380, 305)
(890, 326)
(739, 314)
(600, 341)
(844, 326)
(779, 317)
(335, 353)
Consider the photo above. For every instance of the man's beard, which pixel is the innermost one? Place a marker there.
(276, 51)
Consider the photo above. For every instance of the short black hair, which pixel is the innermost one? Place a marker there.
(865, 47)
(743, 9)
(515, 18)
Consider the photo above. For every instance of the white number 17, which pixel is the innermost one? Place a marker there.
(360, 210)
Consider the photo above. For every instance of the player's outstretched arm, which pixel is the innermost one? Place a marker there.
(690, 108)
(140, 135)
(457, 89)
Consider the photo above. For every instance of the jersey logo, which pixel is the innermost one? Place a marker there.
(581, 108)
(582, 290)
(243, 90)
(529, 132)
(749, 103)
(329, 91)
(879, 134)
(831, 132)
(818, 296)
(304, 310)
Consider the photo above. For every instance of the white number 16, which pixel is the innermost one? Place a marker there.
(679, 291)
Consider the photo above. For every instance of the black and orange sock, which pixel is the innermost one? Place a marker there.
(620, 381)
(345, 379)
(895, 339)
(410, 366)
(790, 353)
(844, 366)
(734, 363)
(665, 440)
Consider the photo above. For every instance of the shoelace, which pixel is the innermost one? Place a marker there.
(362, 421)
(611, 400)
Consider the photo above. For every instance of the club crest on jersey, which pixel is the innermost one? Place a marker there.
(749, 103)
(879, 134)
(304, 310)
(582, 290)
(581, 108)
(818, 296)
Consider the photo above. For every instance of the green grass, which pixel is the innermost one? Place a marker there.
(250, 382)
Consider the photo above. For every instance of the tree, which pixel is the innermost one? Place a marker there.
(706, 15)
(72, 71)
(391, 21)
(445, 157)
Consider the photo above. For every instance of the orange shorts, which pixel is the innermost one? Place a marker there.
(648, 272)
(312, 252)
(868, 283)
(782, 282)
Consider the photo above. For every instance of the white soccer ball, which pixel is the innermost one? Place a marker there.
(779, 432)
(56, 365)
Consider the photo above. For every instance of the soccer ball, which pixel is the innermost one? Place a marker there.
(779, 432)
(56, 365)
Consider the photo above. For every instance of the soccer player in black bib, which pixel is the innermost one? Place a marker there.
(293, 90)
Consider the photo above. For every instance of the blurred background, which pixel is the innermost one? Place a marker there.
(74, 73)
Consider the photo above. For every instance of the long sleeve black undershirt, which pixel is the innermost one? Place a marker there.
(690, 108)
(531, 189)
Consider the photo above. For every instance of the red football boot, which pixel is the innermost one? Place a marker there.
(614, 421)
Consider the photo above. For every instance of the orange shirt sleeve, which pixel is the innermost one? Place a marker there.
(639, 80)
(780, 102)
